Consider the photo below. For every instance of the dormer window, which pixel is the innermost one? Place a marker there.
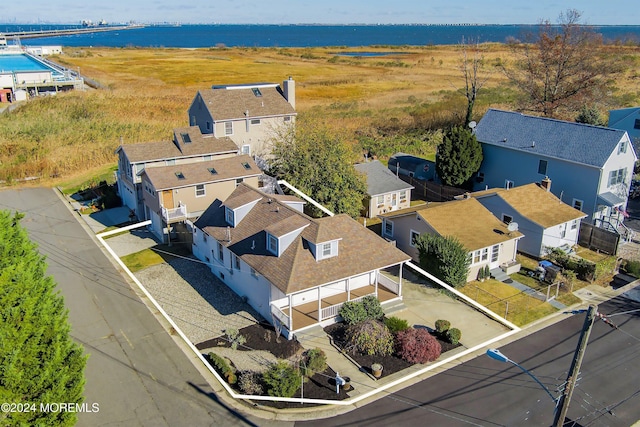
(180, 175)
(272, 244)
(326, 250)
(246, 165)
(256, 92)
(185, 138)
(622, 147)
(212, 171)
(229, 216)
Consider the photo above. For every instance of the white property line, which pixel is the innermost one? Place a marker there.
(344, 402)
(304, 196)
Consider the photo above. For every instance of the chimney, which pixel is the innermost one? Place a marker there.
(289, 88)
(546, 183)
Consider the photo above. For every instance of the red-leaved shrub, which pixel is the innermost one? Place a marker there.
(417, 346)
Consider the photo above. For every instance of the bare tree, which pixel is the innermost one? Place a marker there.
(471, 68)
(562, 68)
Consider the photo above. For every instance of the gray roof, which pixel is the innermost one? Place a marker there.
(609, 199)
(380, 180)
(575, 142)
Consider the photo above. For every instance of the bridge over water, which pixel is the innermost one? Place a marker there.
(69, 31)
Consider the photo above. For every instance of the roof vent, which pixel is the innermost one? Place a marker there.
(533, 144)
(504, 140)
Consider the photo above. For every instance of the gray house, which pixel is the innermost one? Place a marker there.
(627, 119)
(413, 166)
(590, 166)
(385, 191)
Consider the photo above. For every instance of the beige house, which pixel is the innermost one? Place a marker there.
(179, 192)
(189, 145)
(488, 240)
(296, 271)
(385, 191)
(246, 113)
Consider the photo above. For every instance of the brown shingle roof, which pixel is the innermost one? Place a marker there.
(296, 269)
(536, 204)
(467, 220)
(164, 177)
(229, 104)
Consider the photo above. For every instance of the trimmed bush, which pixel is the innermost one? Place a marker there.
(251, 383)
(373, 308)
(442, 326)
(396, 324)
(585, 270)
(454, 335)
(221, 365)
(314, 361)
(282, 379)
(417, 346)
(370, 337)
(352, 312)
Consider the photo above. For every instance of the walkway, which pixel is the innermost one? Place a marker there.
(501, 276)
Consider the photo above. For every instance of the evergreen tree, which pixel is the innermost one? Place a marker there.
(444, 257)
(459, 156)
(590, 116)
(39, 362)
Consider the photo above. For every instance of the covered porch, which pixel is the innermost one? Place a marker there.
(325, 307)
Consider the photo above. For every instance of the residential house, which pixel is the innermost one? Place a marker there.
(189, 145)
(590, 166)
(544, 219)
(488, 240)
(246, 113)
(412, 166)
(184, 191)
(296, 271)
(627, 119)
(385, 191)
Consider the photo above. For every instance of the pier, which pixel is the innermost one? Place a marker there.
(70, 31)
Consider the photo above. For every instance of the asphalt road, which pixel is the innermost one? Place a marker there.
(485, 392)
(135, 373)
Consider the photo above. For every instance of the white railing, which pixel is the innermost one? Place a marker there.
(280, 315)
(332, 311)
(173, 214)
(388, 283)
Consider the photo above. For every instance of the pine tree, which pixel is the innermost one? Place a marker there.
(39, 362)
(459, 156)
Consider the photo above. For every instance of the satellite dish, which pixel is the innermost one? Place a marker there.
(512, 226)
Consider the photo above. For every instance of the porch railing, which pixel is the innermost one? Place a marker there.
(280, 315)
(332, 311)
(176, 214)
(389, 283)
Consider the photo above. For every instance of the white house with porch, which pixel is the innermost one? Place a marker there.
(296, 271)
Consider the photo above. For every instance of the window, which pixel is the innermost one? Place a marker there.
(388, 228)
(246, 165)
(577, 204)
(255, 121)
(484, 255)
(208, 125)
(236, 261)
(636, 125)
(229, 216)
(495, 251)
(171, 162)
(508, 184)
(574, 224)
(200, 191)
(476, 257)
(507, 218)
(380, 201)
(326, 250)
(413, 238)
(256, 92)
(212, 171)
(228, 128)
(617, 177)
(207, 157)
(246, 149)
(403, 197)
(239, 181)
(185, 138)
(622, 148)
(220, 253)
(272, 244)
(253, 273)
(542, 167)
(286, 118)
(180, 175)
(480, 177)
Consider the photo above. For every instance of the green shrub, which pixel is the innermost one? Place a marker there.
(234, 337)
(352, 312)
(631, 267)
(585, 270)
(370, 337)
(314, 361)
(251, 383)
(454, 335)
(442, 326)
(221, 365)
(282, 379)
(373, 308)
(396, 324)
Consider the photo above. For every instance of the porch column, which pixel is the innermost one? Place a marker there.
(290, 314)
(319, 304)
(400, 281)
(376, 284)
(348, 288)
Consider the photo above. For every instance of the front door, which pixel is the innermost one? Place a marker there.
(394, 200)
(167, 199)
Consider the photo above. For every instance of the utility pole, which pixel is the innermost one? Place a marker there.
(565, 397)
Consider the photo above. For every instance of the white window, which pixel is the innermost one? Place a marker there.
(229, 216)
(403, 197)
(622, 148)
(508, 184)
(388, 228)
(255, 121)
(272, 244)
(200, 191)
(380, 201)
(495, 251)
(617, 177)
(476, 257)
(484, 255)
(220, 252)
(413, 237)
(246, 149)
(326, 250)
(577, 204)
(228, 128)
(574, 224)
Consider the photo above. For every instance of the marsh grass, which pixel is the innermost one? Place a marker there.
(149, 92)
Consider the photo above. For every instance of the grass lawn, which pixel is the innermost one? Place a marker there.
(149, 257)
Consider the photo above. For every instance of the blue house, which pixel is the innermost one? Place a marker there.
(627, 119)
(590, 166)
(415, 167)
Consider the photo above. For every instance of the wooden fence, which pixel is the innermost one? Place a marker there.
(596, 238)
(431, 191)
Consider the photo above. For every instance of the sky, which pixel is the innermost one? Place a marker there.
(595, 12)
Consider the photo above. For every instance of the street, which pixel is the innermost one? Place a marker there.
(485, 392)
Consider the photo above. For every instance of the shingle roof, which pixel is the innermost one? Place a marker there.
(380, 180)
(576, 142)
(536, 204)
(229, 104)
(360, 250)
(164, 177)
(163, 150)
